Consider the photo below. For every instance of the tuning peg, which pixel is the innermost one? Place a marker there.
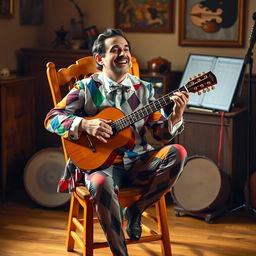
(203, 73)
(199, 74)
(194, 77)
(204, 91)
(213, 87)
(190, 78)
(199, 93)
(208, 89)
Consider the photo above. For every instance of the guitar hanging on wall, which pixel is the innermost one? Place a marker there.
(89, 153)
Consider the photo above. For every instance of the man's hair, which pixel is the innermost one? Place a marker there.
(99, 44)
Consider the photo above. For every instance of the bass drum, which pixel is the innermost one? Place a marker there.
(201, 187)
(41, 176)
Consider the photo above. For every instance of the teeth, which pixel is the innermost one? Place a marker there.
(122, 62)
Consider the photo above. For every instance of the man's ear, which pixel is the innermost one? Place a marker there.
(98, 59)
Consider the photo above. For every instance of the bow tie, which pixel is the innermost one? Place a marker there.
(119, 87)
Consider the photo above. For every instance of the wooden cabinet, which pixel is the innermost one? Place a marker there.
(34, 64)
(17, 129)
(202, 137)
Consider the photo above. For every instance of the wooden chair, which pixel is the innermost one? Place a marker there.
(80, 198)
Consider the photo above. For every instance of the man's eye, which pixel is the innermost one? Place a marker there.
(115, 50)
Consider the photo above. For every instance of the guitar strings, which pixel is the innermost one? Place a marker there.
(142, 112)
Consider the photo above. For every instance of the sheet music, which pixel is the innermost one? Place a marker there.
(227, 71)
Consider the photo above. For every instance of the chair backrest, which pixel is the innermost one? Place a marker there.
(63, 80)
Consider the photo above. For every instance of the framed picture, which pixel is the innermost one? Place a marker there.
(145, 15)
(211, 23)
(31, 12)
(6, 8)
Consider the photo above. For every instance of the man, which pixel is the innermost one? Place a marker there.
(140, 165)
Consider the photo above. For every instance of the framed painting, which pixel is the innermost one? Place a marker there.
(31, 12)
(155, 16)
(6, 8)
(211, 23)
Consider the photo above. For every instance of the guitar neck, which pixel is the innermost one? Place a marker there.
(143, 112)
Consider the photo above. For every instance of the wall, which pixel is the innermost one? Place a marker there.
(101, 13)
(14, 36)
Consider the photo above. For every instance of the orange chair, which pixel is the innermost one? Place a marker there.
(80, 198)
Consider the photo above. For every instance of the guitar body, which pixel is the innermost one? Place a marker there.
(85, 158)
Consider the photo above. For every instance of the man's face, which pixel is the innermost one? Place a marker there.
(117, 56)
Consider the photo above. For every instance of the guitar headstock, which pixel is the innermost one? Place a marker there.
(203, 82)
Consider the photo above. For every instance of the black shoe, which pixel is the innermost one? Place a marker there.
(133, 228)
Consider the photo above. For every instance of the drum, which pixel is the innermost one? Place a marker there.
(41, 176)
(201, 187)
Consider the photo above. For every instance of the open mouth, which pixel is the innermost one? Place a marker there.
(122, 61)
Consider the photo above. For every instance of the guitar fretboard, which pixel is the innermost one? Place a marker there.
(141, 113)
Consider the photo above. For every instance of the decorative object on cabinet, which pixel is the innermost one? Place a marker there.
(31, 12)
(202, 25)
(159, 65)
(73, 21)
(17, 121)
(145, 16)
(91, 33)
(6, 8)
(5, 73)
(80, 36)
(61, 40)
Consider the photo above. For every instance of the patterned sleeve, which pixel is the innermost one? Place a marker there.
(60, 118)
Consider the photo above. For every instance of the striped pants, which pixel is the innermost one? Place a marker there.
(156, 171)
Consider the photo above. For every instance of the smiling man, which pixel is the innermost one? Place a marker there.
(155, 170)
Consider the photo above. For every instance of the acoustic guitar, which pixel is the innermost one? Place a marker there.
(89, 153)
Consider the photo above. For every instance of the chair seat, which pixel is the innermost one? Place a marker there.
(126, 196)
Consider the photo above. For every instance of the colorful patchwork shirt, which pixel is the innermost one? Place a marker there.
(90, 96)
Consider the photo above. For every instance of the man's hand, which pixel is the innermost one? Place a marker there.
(180, 100)
(97, 127)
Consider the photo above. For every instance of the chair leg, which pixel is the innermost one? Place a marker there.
(88, 229)
(163, 227)
(73, 212)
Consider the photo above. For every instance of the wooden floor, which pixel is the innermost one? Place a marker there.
(28, 229)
